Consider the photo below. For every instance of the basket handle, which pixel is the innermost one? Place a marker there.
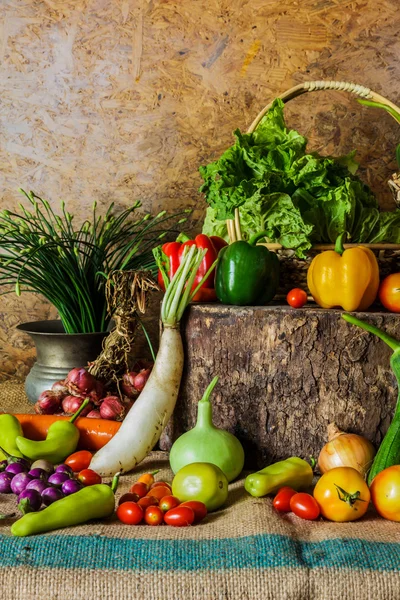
(315, 86)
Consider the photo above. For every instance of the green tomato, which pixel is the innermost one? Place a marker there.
(201, 481)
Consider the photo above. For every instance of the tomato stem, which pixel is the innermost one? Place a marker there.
(350, 499)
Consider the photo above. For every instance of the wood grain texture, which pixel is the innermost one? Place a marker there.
(285, 374)
(125, 99)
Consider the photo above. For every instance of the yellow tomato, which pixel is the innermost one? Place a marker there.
(342, 495)
(385, 493)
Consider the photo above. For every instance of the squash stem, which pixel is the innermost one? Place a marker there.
(389, 340)
(204, 410)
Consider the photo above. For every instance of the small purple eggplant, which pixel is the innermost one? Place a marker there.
(50, 495)
(3, 465)
(16, 468)
(38, 485)
(58, 479)
(71, 486)
(19, 482)
(64, 469)
(29, 501)
(5, 482)
(38, 473)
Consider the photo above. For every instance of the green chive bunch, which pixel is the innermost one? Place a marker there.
(43, 252)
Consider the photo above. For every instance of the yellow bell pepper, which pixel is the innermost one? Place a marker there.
(346, 278)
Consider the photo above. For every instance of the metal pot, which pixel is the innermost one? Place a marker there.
(57, 353)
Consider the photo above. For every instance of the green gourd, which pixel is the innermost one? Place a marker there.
(207, 443)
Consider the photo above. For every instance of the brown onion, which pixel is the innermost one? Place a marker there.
(112, 409)
(48, 403)
(79, 381)
(346, 450)
(70, 405)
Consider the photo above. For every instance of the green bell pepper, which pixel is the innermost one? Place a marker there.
(246, 274)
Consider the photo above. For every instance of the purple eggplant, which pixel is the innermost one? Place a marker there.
(50, 495)
(64, 469)
(37, 484)
(3, 465)
(16, 468)
(19, 482)
(5, 482)
(58, 479)
(38, 473)
(29, 501)
(71, 486)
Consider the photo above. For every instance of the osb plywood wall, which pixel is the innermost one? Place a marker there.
(124, 99)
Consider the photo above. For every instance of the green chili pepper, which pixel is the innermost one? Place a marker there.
(61, 441)
(246, 274)
(10, 429)
(293, 472)
(389, 451)
(92, 502)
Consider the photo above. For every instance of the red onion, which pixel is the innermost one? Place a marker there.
(70, 405)
(49, 403)
(112, 409)
(59, 386)
(128, 386)
(94, 414)
(97, 393)
(141, 379)
(79, 381)
(142, 364)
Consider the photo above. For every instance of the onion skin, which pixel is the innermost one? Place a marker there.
(49, 402)
(346, 450)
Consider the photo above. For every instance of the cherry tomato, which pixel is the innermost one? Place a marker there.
(296, 298)
(140, 489)
(385, 493)
(153, 515)
(130, 513)
(79, 460)
(147, 478)
(148, 501)
(128, 497)
(89, 477)
(168, 502)
(180, 516)
(305, 506)
(282, 499)
(342, 494)
(163, 483)
(389, 292)
(199, 509)
(159, 492)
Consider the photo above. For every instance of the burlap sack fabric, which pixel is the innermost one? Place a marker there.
(245, 550)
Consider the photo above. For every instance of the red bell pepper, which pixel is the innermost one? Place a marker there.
(174, 252)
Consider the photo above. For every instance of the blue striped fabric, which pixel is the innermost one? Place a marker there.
(252, 552)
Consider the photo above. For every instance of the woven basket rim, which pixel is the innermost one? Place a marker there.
(275, 246)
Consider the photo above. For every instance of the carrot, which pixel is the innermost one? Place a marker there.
(94, 433)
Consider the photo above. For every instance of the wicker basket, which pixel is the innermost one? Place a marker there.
(294, 269)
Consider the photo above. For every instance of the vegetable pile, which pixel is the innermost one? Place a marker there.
(299, 198)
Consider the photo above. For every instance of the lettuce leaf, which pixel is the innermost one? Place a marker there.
(297, 198)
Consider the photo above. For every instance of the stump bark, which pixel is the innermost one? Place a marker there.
(284, 375)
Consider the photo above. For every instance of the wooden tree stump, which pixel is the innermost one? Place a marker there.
(284, 375)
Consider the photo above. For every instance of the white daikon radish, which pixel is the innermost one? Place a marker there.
(144, 423)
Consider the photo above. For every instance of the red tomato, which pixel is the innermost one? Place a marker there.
(128, 497)
(163, 483)
(153, 515)
(305, 506)
(148, 501)
(385, 493)
(389, 292)
(89, 477)
(180, 516)
(140, 489)
(79, 460)
(159, 492)
(130, 513)
(296, 298)
(199, 509)
(168, 502)
(282, 499)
